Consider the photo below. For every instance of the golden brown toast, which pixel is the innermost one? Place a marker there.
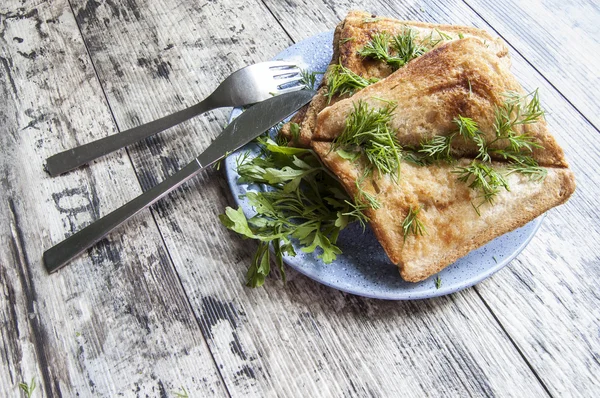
(460, 77)
(452, 225)
(351, 35)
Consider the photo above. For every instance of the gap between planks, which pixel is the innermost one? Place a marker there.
(537, 71)
(152, 212)
(514, 49)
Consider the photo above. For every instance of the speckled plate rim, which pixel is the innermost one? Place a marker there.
(314, 54)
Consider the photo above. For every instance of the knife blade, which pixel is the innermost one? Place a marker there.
(249, 125)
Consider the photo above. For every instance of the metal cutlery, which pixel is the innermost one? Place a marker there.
(249, 85)
(249, 125)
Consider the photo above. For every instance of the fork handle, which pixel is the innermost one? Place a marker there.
(72, 158)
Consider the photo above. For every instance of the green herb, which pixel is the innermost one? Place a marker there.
(411, 224)
(460, 35)
(303, 202)
(341, 80)
(483, 177)
(346, 40)
(517, 110)
(469, 130)
(28, 388)
(430, 42)
(438, 282)
(443, 35)
(378, 48)
(367, 130)
(371, 20)
(437, 148)
(309, 79)
(363, 197)
(404, 45)
(528, 167)
(295, 132)
(181, 394)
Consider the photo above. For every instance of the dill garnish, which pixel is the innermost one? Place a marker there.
(404, 46)
(367, 131)
(341, 80)
(309, 79)
(437, 148)
(411, 224)
(516, 110)
(483, 177)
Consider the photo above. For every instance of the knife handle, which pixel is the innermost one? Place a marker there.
(57, 256)
(73, 158)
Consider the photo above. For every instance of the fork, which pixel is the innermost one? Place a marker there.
(254, 83)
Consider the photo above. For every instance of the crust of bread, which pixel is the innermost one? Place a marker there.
(352, 34)
(461, 77)
(453, 227)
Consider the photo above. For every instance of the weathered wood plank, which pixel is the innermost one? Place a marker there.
(556, 274)
(115, 322)
(291, 340)
(560, 40)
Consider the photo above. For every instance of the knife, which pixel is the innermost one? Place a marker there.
(249, 125)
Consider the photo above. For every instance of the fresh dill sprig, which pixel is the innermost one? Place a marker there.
(529, 167)
(438, 281)
(483, 177)
(437, 148)
(357, 212)
(377, 48)
(303, 202)
(309, 78)
(480, 175)
(517, 110)
(468, 129)
(367, 130)
(341, 80)
(363, 197)
(411, 224)
(406, 47)
(403, 44)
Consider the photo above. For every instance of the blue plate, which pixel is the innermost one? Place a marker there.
(364, 269)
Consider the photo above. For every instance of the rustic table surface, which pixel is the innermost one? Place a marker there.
(159, 307)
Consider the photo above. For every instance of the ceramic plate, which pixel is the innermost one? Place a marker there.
(363, 268)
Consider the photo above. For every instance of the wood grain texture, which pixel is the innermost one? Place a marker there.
(138, 317)
(559, 39)
(550, 287)
(115, 322)
(281, 340)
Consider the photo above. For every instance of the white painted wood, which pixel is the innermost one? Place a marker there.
(560, 40)
(301, 338)
(115, 322)
(168, 310)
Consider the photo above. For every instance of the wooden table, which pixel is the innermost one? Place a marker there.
(159, 307)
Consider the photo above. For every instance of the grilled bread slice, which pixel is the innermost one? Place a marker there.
(460, 77)
(353, 33)
(452, 227)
